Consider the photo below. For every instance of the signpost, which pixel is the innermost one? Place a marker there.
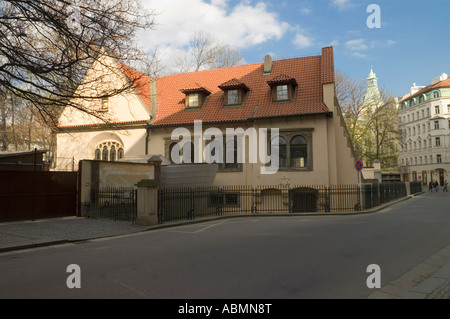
(359, 167)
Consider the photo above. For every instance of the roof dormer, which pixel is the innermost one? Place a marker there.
(283, 88)
(235, 92)
(195, 95)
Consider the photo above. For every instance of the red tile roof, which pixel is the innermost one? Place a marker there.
(140, 82)
(441, 84)
(310, 73)
(232, 84)
(282, 78)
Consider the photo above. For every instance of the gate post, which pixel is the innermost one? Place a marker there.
(147, 202)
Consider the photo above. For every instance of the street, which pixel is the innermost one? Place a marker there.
(237, 258)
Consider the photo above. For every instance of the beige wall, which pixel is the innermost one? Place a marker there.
(82, 145)
(109, 78)
(331, 153)
(75, 144)
(99, 174)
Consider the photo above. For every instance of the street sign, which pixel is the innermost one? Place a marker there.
(359, 165)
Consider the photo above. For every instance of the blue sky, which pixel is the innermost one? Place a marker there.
(410, 47)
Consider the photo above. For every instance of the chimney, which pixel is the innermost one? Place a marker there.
(268, 65)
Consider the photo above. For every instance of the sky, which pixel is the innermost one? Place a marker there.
(410, 46)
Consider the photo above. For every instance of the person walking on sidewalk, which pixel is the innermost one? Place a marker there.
(436, 186)
(445, 187)
(430, 189)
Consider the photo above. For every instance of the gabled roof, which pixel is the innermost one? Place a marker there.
(282, 79)
(310, 74)
(233, 84)
(195, 87)
(140, 82)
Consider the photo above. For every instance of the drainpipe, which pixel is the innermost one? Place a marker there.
(147, 136)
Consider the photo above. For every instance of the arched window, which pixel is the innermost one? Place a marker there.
(105, 153)
(97, 154)
(120, 153)
(282, 151)
(436, 94)
(109, 151)
(422, 98)
(299, 152)
(112, 154)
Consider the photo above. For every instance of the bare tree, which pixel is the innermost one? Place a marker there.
(3, 122)
(151, 65)
(47, 47)
(207, 53)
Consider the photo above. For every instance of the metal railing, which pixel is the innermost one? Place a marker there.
(377, 194)
(184, 203)
(114, 203)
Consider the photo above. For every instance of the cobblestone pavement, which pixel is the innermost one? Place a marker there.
(442, 292)
(16, 235)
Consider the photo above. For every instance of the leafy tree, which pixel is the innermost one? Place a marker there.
(372, 126)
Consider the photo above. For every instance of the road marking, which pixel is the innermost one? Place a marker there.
(207, 227)
(195, 226)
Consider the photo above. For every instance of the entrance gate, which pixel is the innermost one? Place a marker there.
(37, 195)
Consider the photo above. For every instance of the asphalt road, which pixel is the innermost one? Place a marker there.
(252, 257)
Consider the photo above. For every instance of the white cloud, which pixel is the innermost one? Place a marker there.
(334, 43)
(342, 4)
(306, 10)
(356, 45)
(302, 41)
(242, 25)
(359, 47)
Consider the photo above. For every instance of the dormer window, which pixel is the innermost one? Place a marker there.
(193, 100)
(234, 92)
(421, 98)
(283, 88)
(195, 96)
(282, 92)
(232, 97)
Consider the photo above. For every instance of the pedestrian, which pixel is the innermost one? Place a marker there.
(436, 186)
(445, 187)
(430, 188)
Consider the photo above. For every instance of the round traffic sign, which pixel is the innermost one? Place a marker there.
(359, 165)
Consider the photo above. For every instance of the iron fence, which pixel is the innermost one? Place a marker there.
(184, 203)
(377, 194)
(415, 187)
(118, 204)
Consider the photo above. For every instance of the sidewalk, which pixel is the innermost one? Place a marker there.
(46, 232)
(428, 280)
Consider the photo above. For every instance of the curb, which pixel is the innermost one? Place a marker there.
(34, 245)
(208, 219)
